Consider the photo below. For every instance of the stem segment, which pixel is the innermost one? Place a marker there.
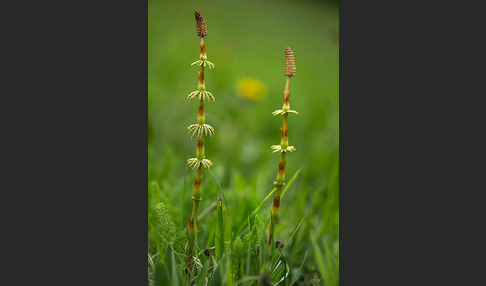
(201, 120)
(280, 181)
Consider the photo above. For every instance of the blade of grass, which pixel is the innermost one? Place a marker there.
(290, 182)
(202, 215)
(201, 277)
(293, 234)
(277, 262)
(274, 272)
(207, 210)
(318, 256)
(216, 276)
(219, 241)
(229, 276)
(183, 198)
(161, 275)
(331, 262)
(229, 222)
(300, 270)
(294, 176)
(221, 190)
(286, 269)
(261, 204)
(151, 263)
(170, 245)
(175, 274)
(243, 225)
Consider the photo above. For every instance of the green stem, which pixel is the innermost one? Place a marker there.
(284, 143)
(201, 119)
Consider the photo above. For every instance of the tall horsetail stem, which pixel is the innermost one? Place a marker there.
(284, 142)
(201, 129)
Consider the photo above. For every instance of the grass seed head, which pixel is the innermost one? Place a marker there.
(289, 63)
(200, 25)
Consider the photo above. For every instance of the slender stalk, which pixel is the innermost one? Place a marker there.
(201, 129)
(284, 141)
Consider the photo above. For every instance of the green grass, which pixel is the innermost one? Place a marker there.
(245, 40)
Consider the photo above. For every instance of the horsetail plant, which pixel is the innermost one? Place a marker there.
(201, 129)
(284, 142)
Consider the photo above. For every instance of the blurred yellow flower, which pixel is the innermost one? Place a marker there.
(251, 88)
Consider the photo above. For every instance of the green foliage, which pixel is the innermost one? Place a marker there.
(164, 227)
(255, 236)
(247, 249)
(167, 272)
(203, 275)
(326, 260)
(237, 254)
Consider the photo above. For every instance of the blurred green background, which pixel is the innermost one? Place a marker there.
(246, 41)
